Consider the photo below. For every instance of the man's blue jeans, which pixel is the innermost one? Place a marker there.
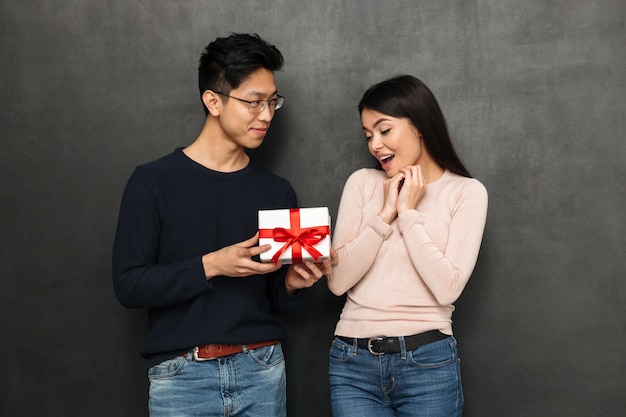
(425, 382)
(250, 384)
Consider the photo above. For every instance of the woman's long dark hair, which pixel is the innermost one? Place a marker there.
(407, 97)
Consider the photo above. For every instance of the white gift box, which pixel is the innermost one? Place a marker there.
(296, 234)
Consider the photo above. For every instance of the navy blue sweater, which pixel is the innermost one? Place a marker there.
(173, 212)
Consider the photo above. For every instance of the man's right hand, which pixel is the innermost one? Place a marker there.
(236, 260)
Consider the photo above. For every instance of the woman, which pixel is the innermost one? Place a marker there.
(408, 238)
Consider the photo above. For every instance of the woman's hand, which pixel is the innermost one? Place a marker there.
(392, 188)
(413, 188)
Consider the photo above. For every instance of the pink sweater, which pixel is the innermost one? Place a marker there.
(402, 279)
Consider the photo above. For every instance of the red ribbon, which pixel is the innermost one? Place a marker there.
(296, 237)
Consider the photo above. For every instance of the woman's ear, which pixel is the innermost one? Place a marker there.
(212, 102)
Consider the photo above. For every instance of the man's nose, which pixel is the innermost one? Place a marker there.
(267, 113)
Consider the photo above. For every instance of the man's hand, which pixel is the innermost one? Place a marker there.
(236, 260)
(306, 274)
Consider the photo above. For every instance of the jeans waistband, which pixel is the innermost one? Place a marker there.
(379, 345)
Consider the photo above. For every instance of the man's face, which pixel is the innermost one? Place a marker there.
(240, 125)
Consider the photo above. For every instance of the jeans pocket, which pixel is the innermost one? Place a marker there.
(268, 355)
(434, 355)
(339, 351)
(167, 369)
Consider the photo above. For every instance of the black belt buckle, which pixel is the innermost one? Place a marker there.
(369, 345)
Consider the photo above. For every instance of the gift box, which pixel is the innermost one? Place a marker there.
(296, 234)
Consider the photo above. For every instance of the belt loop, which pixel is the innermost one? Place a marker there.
(244, 348)
(402, 347)
(354, 346)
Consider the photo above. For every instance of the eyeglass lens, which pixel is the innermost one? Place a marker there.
(258, 106)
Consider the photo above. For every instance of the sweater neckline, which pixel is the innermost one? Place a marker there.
(178, 152)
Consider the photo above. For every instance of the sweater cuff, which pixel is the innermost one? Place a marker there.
(380, 227)
(409, 218)
(198, 275)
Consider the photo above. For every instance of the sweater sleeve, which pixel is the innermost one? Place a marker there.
(356, 239)
(281, 301)
(139, 280)
(446, 270)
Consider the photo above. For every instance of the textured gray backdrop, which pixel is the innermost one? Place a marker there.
(534, 94)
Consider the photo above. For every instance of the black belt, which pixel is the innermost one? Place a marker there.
(380, 345)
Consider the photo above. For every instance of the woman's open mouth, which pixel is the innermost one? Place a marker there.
(385, 160)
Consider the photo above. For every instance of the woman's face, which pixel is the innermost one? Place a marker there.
(393, 141)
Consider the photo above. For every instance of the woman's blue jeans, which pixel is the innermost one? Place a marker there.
(425, 382)
(248, 384)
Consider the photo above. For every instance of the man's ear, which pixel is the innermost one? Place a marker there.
(212, 102)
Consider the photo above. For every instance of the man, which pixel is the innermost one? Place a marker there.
(185, 245)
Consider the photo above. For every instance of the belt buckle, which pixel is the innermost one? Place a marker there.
(369, 345)
(198, 359)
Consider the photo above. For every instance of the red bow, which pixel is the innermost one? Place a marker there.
(296, 237)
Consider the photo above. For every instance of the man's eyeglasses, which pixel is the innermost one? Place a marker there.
(257, 106)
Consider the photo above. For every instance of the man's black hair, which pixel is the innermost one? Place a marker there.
(227, 62)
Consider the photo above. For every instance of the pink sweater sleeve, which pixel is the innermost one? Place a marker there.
(446, 270)
(358, 235)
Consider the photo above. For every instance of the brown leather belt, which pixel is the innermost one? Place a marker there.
(214, 351)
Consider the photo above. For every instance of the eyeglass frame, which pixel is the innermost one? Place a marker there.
(278, 102)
